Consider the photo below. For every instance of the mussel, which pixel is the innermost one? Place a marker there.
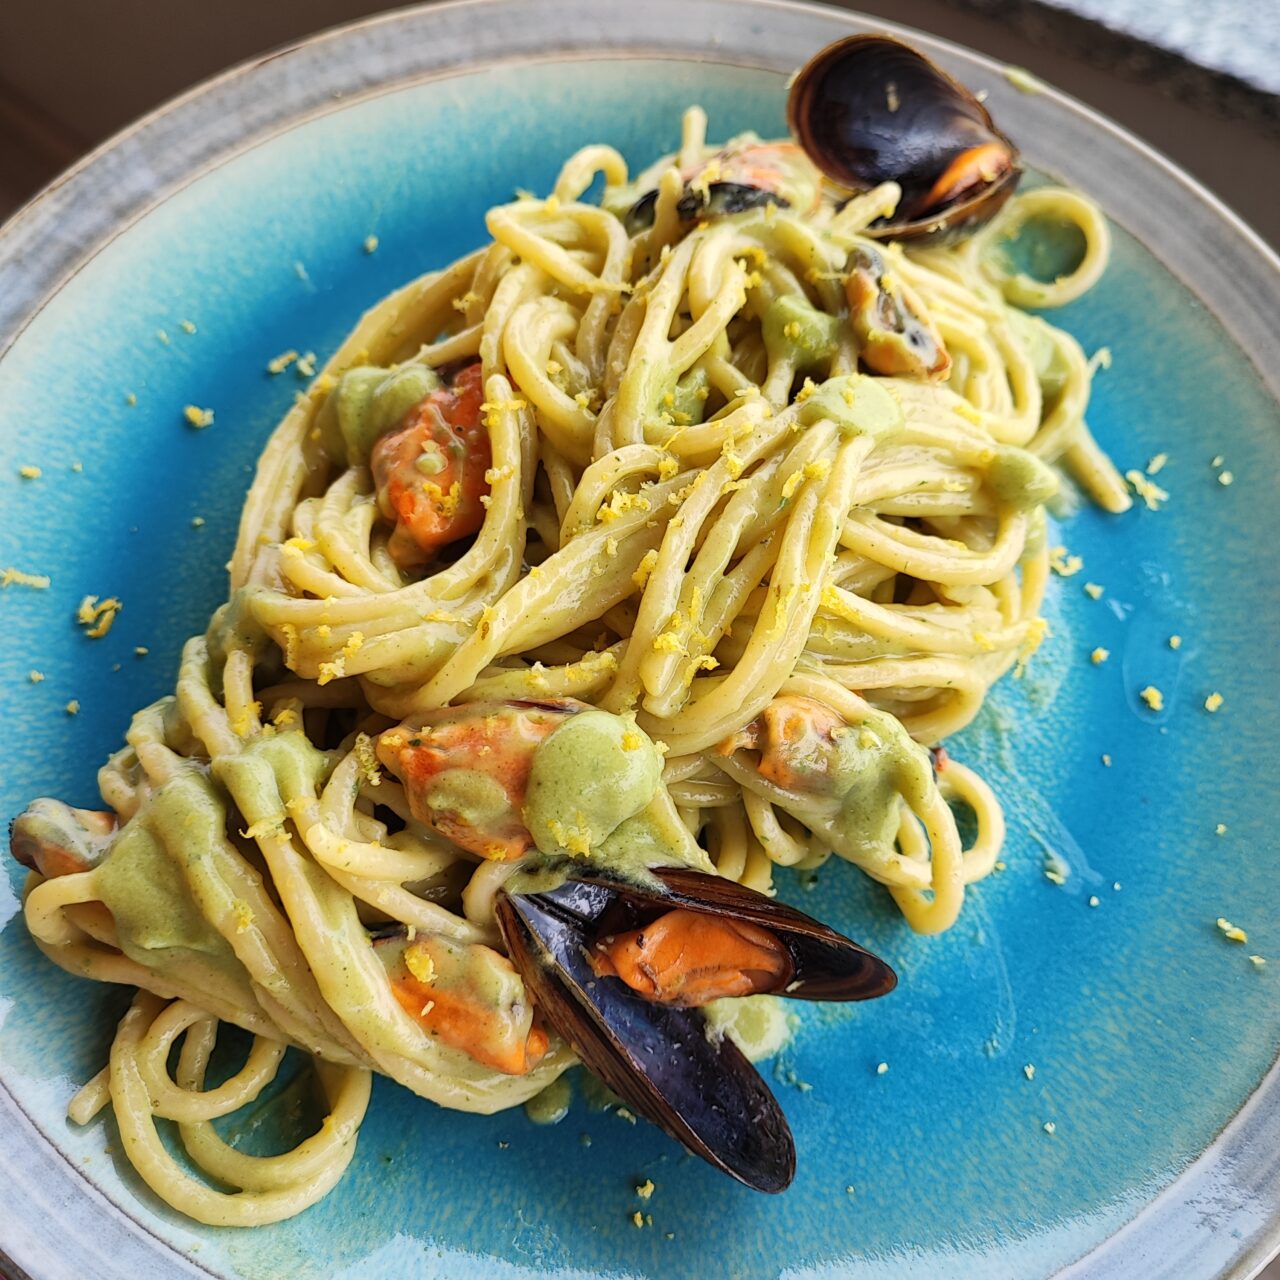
(620, 969)
(871, 109)
(745, 175)
(619, 966)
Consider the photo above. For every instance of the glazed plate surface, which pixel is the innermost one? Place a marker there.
(243, 209)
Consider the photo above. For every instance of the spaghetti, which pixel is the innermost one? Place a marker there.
(763, 496)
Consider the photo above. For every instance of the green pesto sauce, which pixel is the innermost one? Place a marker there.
(476, 798)
(234, 626)
(50, 822)
(585, 783)
(856, 404)
(285, 764)
(142, 883)
(1021, 479)
(1046, 356)
(640, 842)
(796, 330)
(870, 765)
(366, 404)
(486, 977)
(552, 1104)
(759, 1025)
(690, 397)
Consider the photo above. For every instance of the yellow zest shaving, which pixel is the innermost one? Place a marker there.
(446, 501)
(620, 502)
(419, 963)
(1150, 492)
(264, 827)
(1213, 702)
(1099, 655)
(367, 760)
(1152, 697)
(573, 839)
(1233, 933)
(334, 670)
(17, 578)
(197, 417)
(1063, 564)
(96, 616)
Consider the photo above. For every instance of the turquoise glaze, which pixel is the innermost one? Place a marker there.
(1146, 1028)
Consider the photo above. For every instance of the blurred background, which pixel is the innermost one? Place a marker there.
(1198, 79)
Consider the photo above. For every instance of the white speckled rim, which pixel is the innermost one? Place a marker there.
(1222, 1216)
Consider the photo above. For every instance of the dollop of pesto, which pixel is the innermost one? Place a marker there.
(552, 1104)
(235, 626)
(473, 798)
(142, 883)
(1021, 479)
(368, 403)
(1046, 356)
(689, 399)
(285, 763)
(758, 1025)
(588, 777)
(871, 764)
(793, 328)
(857, 404)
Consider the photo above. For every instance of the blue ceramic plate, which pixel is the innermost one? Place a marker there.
(243, 209)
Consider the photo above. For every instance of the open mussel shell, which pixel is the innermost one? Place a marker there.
(825, 965)
(658, 1057)
(871, 109)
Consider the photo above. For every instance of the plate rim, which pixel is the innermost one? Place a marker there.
(61, 229)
